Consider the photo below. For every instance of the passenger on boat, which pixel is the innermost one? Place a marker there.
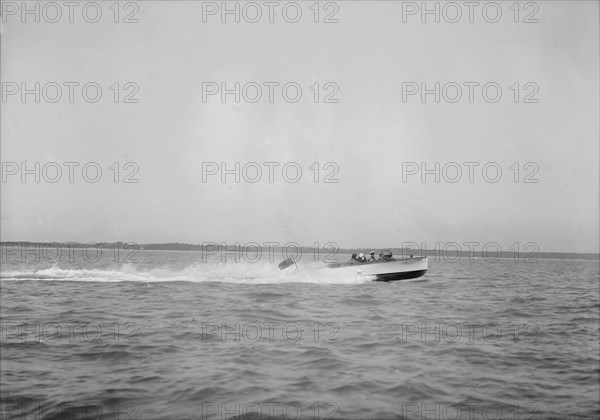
(372, 256)
(361, 257)
(353, 257)
(385, 255)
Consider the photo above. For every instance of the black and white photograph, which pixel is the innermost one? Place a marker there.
(299, 210)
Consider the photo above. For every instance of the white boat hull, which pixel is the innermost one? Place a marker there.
(396, 269)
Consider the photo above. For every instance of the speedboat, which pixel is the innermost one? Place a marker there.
(386, 268)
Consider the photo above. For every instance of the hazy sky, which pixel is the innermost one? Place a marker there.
(371, 134)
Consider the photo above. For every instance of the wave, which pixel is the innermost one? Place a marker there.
(260, 273)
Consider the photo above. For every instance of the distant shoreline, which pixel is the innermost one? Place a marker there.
(447, 254)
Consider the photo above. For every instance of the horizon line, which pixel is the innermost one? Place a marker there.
(2, 242)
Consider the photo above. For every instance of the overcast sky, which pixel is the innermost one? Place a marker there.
(371, 134)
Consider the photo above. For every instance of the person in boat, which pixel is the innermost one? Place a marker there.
(353, 257)
(385, 255)
(372, 256)
(361, 258)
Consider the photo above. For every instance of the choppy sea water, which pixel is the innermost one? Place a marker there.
(173, 337)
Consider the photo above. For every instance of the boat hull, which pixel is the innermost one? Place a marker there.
(388, 270)
(400, 276)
